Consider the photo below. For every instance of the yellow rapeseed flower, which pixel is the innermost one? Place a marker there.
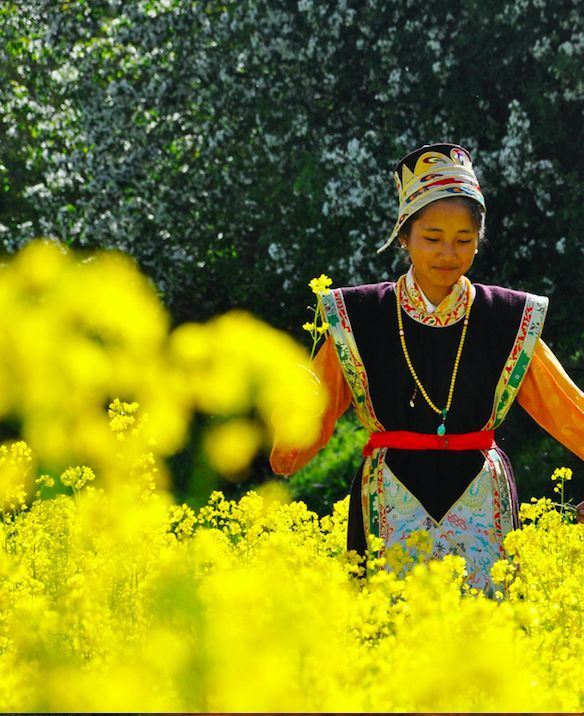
(230, 447)
(562, 473)
(237, 588)
(16, 475)
(77, 477)
(318, 326)
(320, 284)
(79, 332)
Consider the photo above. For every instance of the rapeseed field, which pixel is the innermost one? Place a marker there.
(113, 597)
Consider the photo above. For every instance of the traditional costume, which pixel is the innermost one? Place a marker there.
(390, 353)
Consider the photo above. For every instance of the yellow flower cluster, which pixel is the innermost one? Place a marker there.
(542, 579)
(320, 329)
(81, 332)
(318, 326)
(76, 332)
(562, 473)
(110, 601)
(16, 472)
(321, 284)
(77, 477)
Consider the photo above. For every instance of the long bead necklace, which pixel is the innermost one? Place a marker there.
(444, 412)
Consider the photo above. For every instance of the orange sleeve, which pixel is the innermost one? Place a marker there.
(553, 400)
(285, 461)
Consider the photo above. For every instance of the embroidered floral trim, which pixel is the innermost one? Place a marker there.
(373, 496)
(519, 358)
(450, 311)
(474, 527)
(335, 311)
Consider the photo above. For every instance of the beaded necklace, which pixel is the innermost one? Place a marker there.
(444, 412)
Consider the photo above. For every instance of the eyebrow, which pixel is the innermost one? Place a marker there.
(435, 228)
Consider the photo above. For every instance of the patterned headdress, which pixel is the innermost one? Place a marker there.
(430, 173)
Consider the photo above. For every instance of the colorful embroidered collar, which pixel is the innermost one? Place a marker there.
(450, 311)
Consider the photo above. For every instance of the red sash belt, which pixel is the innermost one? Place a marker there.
(407, 440)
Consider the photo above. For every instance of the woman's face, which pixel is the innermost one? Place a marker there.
(442, 244)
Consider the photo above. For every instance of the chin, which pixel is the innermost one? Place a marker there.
(447, 280)
(448, 276)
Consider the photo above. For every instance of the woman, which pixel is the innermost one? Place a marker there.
(432, 365)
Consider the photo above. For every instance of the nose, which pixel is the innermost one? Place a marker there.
(448, 250)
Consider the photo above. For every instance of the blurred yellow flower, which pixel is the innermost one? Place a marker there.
(274, 493)
(16, 475)
(80, 332)
(230, 447)
(122, 416)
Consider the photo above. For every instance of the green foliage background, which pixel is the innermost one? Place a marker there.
(239, 148)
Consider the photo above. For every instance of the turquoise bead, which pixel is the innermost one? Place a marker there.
(441, 429)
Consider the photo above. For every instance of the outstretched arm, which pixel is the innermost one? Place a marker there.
(287, 460)
(553, 400)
